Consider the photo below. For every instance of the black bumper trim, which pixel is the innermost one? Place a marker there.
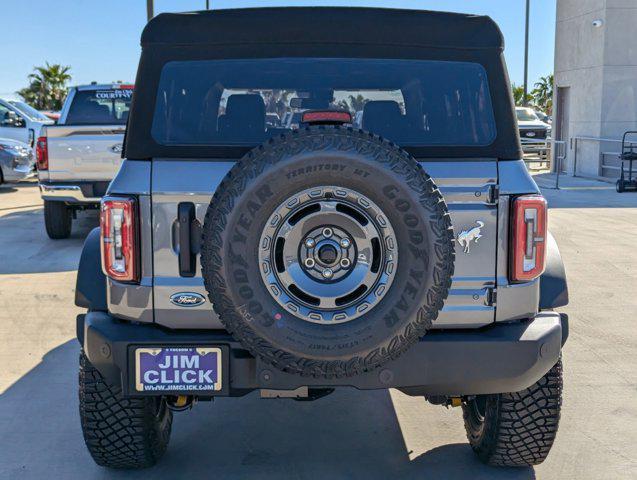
(500, 358)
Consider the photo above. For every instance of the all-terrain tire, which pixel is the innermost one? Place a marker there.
(516, 429)
(58, 220)
(123, 433)
(274, 173)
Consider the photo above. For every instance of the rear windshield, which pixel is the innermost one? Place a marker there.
(243, 102)
(100, 107)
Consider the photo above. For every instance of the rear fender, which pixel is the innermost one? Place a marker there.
(553, 288)
(90, 289)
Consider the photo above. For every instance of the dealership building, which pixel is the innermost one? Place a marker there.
(595, 82)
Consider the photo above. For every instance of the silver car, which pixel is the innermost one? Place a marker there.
(16, 161)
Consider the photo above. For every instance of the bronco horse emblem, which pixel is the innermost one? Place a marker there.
(466, 236)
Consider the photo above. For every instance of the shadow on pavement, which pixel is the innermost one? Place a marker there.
(7, 188)
(349, 434)
(30, 183)
(28, 249)
(578, 192)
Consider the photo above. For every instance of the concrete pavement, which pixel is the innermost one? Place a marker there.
(349, 434)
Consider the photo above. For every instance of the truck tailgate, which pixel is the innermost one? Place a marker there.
(84, 152)
(467, 187)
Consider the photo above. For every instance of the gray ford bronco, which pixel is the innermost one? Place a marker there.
(305, 206)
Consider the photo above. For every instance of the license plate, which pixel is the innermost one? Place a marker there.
(177, 369)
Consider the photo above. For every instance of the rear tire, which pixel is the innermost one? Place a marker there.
(516, 429)
(119, 432)
(58, 220)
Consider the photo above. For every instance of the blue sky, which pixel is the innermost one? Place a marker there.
(100, 40)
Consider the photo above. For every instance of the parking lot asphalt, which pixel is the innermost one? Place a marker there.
(349, 434)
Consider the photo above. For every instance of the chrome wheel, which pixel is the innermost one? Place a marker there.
(328, 255)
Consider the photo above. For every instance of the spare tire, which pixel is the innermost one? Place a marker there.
(327, 251)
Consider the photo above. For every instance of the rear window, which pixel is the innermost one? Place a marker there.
(100, 107)
(243, 102)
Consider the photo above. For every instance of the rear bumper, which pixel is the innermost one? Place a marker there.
(21, 172)
(496, 359)
(17, 168)
(73, 192)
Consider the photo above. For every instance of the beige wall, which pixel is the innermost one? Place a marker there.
(599, 64)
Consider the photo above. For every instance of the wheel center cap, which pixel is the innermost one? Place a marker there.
(327, 254)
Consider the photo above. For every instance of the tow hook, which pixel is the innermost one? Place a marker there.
(180, 403)
(446, 401)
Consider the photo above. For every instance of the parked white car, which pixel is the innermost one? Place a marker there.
(19, 121)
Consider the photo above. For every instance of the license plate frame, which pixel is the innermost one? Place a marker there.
(140, 354)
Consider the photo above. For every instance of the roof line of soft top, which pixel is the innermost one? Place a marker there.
(320, 25)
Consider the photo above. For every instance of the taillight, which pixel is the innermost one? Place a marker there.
(326, 116)
(42, 154)
(528, 246)
(119, 241)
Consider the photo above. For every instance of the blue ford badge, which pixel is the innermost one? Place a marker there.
(187, 299)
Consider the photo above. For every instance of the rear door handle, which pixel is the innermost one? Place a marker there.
(189, 233)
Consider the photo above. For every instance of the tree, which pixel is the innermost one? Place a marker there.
(518, 95)
(353, 103)
(47, 87)
(357, 102)
(543, 94)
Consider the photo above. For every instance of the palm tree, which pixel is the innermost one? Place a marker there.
(47, 87)
(518, 95)
(543, 93)
(357, 102)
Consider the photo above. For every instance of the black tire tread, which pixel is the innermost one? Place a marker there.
(121, 433)
(519, 428)
(57, 220)
(253, 165)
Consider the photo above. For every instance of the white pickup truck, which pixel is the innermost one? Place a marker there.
(78, 157)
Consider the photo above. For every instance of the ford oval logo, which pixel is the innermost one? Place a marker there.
(187, 299)
(530, 134)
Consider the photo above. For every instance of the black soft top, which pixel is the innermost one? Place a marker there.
(315, 32)
(324, 25)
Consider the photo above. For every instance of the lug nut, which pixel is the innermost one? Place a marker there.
(345, 243)
(328, 232)
(309, 243)
(345, 263)
(309, 262)
(327, 273)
